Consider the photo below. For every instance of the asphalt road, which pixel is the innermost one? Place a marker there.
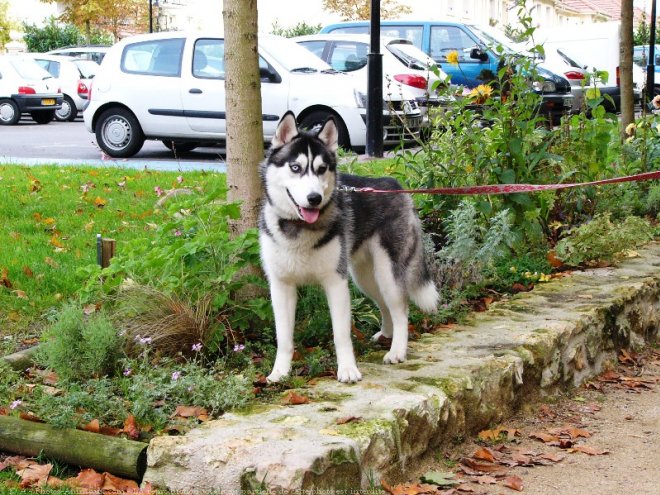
(69, 143)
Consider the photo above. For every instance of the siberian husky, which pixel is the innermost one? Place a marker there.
(315, 231)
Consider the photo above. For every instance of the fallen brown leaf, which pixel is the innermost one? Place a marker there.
(93, 426)
(87, 479)
(348, 419)
(294, 399)
(113, 483)
(484, 454)
(586, 449)
(131, 428)
(543, 437)
(514, 482)
(34, 474)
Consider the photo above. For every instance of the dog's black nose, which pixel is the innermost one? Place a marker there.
(314, 199)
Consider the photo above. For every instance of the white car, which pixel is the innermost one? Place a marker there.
(27, 88)
(403, 62)
(94, 53)
(170, 86)
(74, 77)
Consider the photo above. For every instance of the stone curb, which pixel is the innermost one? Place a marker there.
(454, 384)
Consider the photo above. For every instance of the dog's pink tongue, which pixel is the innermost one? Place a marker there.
(310, 215)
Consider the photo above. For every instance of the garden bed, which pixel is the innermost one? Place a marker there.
(456, 382)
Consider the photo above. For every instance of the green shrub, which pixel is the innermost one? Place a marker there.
(78, 346)
(603, 240)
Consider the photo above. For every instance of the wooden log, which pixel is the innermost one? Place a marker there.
(118, 456)
(21, 359)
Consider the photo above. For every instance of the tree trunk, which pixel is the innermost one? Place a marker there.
(118, 456)
(626, 65)
(243, 109)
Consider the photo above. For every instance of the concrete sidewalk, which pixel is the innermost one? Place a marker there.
(454, 383)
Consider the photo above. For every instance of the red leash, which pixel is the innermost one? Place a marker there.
(505, 188)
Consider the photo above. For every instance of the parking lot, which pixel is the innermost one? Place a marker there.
(69, 143)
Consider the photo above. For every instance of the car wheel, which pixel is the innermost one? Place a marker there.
(315, 120)
(10, 114)
(68, 112)
(118, 133)
(43, 116)
(179, 146)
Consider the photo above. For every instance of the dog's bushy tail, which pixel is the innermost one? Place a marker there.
(425, 296)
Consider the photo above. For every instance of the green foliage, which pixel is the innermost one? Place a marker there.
(300, 29)
(193, 255)
(603, 240)
(493, 134)
(78, 346)
(55, 35)
(472, 246)
(79, 403)
(5, 24)
(190, 383)
(7, 384)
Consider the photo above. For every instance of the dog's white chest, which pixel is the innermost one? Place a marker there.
(297, 261)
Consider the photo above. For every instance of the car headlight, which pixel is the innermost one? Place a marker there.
(544, 86)
(360, 98)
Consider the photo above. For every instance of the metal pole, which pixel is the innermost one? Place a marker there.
(650, 68)
(151, 16)
(375, 87)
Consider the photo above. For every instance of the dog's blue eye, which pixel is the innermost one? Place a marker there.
(294, 167)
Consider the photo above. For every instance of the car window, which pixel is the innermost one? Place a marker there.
(316, 47)
(410, 33)
(209, 59)
(447, 39)
(569, 60)
(155, 57)
(347, 56)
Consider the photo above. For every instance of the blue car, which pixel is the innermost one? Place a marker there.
(641, 58)
(477, 59)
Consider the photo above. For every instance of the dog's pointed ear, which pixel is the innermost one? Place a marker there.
(329, 135)
(286, 130)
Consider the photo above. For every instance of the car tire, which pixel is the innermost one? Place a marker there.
(43, 116)
(179, 146)
(10, 114)
(118, 133)
(317, 118)
(68, 112)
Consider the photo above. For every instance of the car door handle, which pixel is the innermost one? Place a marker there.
(195, 91)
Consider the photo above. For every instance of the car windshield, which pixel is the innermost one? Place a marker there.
(409, 55)
(291, 56)
(30, 70)
(86, 68)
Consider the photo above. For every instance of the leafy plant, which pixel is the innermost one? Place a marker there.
(471, 248)
(603, 240)
(79, 346)
(300, 29)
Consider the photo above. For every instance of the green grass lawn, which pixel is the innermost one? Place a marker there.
(50, 218)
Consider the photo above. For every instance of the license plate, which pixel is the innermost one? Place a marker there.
(48, 101)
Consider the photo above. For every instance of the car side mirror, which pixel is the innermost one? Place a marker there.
(479, 54)
(266, 74)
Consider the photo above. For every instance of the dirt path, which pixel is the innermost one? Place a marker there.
(620, 411)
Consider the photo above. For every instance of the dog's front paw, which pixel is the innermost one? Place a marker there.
(276, 375)
(395, 356)
(349, 374)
